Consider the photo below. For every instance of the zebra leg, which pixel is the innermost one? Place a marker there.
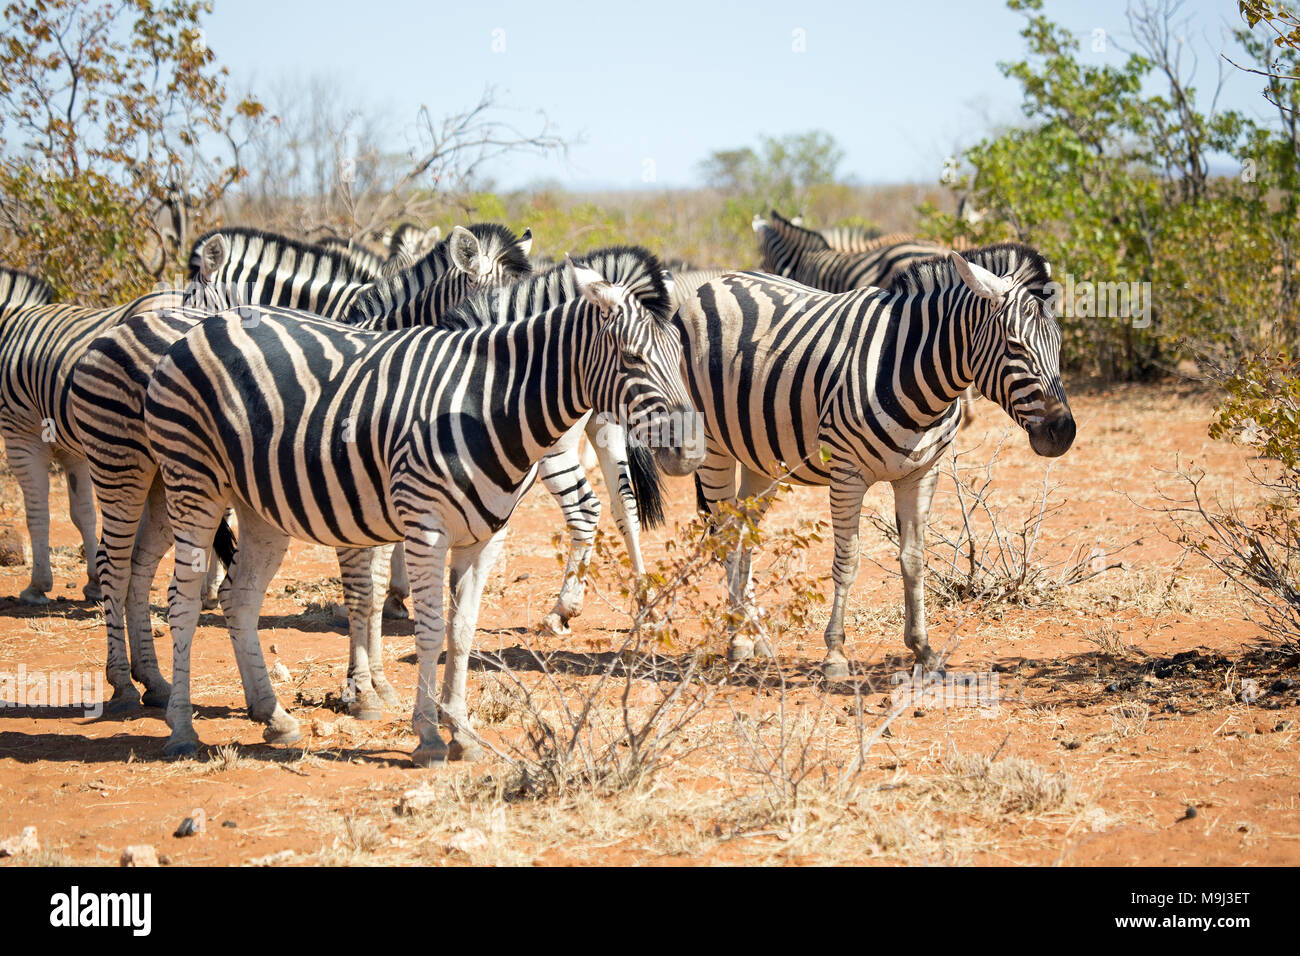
(740, 583)
(215, 576)
(29, 458)
(912, 496)
(562, 473)
(847, 491)
(363, 571)
(121, 525)
(426, 554)
(612, 457)
(193, 531)
(81, 508)
(399, 588)
(153, 539)
(261, 549)
(470, 567)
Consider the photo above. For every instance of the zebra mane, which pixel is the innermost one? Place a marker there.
(245, 241)
(633, 267)
(20, 289)
(798, 235)
(1014, 259)
(388, 294)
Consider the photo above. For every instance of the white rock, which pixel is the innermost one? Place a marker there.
(274, 859)
(323, 728)
(467, 841)
(279, 672)
(22, 844)
(417, 799)
(141, 855)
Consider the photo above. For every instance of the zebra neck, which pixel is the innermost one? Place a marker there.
(926, 356)
(536, 386)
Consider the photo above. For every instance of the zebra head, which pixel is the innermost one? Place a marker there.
(1014, 349)
(783, 243)
(634, 372)
(486, 255)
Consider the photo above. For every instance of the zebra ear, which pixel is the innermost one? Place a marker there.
(758, 223)
(978, 279)
(593, 286)
(432, 237)
(212, 257)
(525, 242)
(669, 284)
(797, 221)
(464, 250)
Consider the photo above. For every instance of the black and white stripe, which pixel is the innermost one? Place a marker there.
(107, 398)
(359, 439)
(805, 256)
(786, 374)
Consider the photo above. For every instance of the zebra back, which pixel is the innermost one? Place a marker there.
(633, 268)
(238, 266)
(364, 259)
(687, 281)
(484, 254)
(19, 290)
(801, 254)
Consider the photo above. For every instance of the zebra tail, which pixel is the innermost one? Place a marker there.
(224, 544)
(647, 485)
(701, 504)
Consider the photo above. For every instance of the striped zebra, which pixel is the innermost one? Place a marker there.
(363, 259)
(354, 439)
(686, 281)
(628, 469)
(805, 256)
(407, 245)
(39, 344)
(794, 252)
(107, 398)
(853, 388)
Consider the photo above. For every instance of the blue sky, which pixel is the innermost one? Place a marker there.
(899, 84)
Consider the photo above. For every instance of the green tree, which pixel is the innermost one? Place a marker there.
(117, 139)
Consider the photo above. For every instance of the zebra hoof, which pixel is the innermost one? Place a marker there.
(124, 699)
(92, 592)
(465, 750)
(554, 625)
(395, 609)
(183, 746)
(157, 696)
(282, 736)
(835, 668)
(388, 694)
(367, 707)
(32, 597)
(434, 755)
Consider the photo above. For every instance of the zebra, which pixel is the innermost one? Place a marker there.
(628, 469)
(805, 256)
(686, 281)
(445, 426)
(407, 244)
(794, 252)
(853, 388)
(107, 400)
(40, 341)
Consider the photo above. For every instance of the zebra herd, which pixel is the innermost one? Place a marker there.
(398, 407)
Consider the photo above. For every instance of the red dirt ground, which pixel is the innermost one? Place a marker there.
(1141, 738)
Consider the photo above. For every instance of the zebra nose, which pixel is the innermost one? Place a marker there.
(1053, 437)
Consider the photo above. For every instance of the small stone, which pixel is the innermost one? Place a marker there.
(141, 855)
(418, 799)
(21, 845)
(279, 672)
(1282, 726)
(189, 827)
(467, 841)
(918, 712)
(1282, 686)
(275, 649)
(1112, 688)
(273, 859)
(229, 824)
(1188, 814)
(15, 551)
(1071, 743)
(323, 728)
